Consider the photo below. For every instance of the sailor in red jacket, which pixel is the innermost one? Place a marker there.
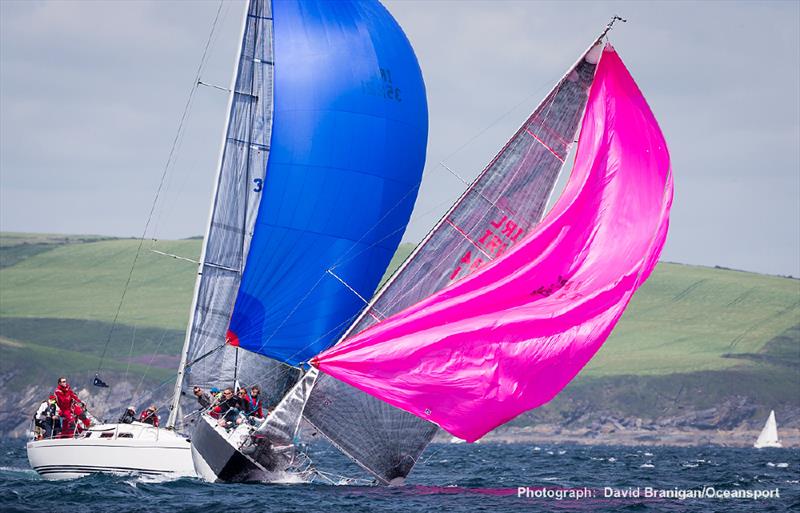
(149, 416)
(70, 406)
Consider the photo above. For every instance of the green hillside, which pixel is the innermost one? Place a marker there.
(85, 281)
(684, 318)
(719, 330)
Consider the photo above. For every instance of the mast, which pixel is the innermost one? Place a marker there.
(176, 395)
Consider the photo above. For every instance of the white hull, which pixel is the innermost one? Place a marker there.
(774, 445)
(113, 448)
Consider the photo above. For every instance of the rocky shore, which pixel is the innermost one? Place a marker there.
(734, 422)
(681, 437)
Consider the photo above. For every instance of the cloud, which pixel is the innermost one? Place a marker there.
(91, 94)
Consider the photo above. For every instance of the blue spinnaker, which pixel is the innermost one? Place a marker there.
(346, 156)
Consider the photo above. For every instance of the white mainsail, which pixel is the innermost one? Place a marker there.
(769, 435)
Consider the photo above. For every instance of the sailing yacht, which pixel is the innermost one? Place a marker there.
(319, 171)
(494, 312)
(769, 434)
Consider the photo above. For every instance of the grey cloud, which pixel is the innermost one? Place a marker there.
(91, 92)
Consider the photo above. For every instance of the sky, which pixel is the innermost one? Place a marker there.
(91, 94)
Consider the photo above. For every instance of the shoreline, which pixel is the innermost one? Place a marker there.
(789, 437)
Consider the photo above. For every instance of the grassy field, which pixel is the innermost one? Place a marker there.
(684, 319)
(85, 281)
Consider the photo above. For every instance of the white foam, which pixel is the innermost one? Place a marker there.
(18, 469)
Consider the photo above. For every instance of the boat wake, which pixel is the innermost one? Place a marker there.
(19, 470)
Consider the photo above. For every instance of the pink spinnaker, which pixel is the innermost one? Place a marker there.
(510, 336)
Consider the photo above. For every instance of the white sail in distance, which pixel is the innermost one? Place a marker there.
(769, 435)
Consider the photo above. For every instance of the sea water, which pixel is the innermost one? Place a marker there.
(453, 478)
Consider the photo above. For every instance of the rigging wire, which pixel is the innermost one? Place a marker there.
(149, 365)
(130, 353)
(164, 173)
(167, 212)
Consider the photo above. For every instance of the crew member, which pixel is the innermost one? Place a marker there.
(70, 407)
(129, 416)
(47, 419)
(255, 402)
(203, 399)
(228, 409)
(244, 401)
(149, 416)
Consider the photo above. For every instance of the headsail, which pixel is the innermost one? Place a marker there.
(503, 204)
(510, 336)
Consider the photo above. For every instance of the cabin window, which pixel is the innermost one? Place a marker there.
(107, 435)
(125, 435)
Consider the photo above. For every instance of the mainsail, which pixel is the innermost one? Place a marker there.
(511, 335)
(206, 360)
(499, 208)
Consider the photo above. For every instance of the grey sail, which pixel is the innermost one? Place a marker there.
(208, 360)
(382, 439)
(505, 202)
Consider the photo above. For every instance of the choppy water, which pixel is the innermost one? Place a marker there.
(453, 478)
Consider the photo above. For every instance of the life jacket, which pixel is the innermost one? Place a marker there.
(66, 398)
(256, 406)
(149, 418)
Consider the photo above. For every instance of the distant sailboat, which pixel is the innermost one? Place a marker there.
(769, 435)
